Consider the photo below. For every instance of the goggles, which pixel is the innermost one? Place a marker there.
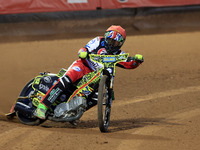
(113, 43)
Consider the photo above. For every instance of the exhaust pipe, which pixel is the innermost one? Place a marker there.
(24, 109)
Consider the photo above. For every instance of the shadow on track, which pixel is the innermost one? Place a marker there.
(115, 125)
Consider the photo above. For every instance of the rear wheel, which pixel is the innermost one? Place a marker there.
(104, 104)
(27, 90)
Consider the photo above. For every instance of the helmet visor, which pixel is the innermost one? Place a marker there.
(113, 43)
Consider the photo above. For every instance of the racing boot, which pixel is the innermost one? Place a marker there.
(40, 112)
(63, 84)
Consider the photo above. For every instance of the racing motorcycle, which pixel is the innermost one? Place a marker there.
(94, 88)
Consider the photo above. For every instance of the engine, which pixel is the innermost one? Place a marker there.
(71, 108)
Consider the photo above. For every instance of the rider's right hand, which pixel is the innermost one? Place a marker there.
(83, 53)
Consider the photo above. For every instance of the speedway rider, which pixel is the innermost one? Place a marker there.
(110, 44)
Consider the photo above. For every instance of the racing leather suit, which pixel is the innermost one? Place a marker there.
(81, 67)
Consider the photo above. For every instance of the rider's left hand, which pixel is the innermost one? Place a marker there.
(139, 58)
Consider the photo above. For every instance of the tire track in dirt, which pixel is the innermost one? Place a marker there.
(159, 95)
(156, 130)
(175, 121)
(149, 97)
(181, 117)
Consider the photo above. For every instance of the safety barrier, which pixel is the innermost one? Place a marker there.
(110, 4)
(33, 6)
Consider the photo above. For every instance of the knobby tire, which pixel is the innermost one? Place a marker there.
(103, 101)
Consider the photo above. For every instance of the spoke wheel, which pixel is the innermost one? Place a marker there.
(104, 106)
(24, 119)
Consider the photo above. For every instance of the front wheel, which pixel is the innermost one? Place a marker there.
(104, 104)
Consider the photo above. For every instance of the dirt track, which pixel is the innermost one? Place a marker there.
(157, 105)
